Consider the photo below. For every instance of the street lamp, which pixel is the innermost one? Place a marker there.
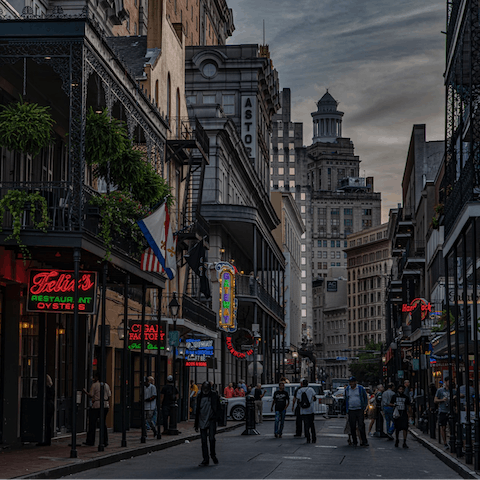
(295, 356)
(174, 307)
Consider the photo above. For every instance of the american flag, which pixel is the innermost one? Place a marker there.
(150, 262)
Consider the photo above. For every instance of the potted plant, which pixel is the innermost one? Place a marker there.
(25, 127)
(16, 202)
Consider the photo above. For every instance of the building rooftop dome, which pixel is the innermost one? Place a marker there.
(327, 99)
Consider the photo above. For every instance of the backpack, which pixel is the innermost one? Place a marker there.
(304, 401)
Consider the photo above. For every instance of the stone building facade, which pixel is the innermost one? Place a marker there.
(369, 256)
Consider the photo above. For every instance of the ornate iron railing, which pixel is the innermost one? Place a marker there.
(250, 287)
(59, 197)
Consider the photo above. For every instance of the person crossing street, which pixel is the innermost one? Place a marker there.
(281, 400)
(356, 402)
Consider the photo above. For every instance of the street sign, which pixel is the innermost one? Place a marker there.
(174, 338)
(400, 374)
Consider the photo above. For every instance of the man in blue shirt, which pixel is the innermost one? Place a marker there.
(356, 402)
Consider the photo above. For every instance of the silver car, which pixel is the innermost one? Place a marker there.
(236, 409)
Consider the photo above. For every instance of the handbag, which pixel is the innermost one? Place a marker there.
(396, 413)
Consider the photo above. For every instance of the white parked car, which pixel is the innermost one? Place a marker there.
(236, 409)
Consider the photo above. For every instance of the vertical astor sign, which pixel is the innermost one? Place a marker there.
(227, 312)
(249, 125)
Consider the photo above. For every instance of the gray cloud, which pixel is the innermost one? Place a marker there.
(383, 60)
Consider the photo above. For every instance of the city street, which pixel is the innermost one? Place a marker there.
(265, 456)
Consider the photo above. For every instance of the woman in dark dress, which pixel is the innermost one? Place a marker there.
(402, 403)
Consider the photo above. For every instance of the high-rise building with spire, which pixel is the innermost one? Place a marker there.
(334, 201)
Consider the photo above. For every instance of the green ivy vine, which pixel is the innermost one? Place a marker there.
(15, 202)
(25, 127)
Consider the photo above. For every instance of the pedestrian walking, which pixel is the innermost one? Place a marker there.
(94, 411)
(306, 398)
(168, 397)
(379, 416)
(371, 412)
(208, 410)
(298, 416)
(281, 400)
(193, 397)
(150, 396)
(401, 404)
(258, 395)
(49, 411)
(388, 410)
(356, 402)
(442, 399)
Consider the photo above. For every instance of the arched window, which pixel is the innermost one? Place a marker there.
(156, 93)
(168, 98)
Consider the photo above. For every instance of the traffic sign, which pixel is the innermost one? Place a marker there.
(174, 338)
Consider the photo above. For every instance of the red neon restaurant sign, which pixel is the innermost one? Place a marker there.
(425, 307)
(53, 291)
(150, 333)
(234, 352)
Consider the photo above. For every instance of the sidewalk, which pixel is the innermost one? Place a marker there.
(54, 461)
(457, 464)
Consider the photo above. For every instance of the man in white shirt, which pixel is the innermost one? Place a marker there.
(150, 397)
(307, 412)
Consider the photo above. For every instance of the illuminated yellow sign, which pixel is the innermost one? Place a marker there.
(227, 313)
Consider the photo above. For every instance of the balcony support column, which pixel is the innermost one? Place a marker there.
(255, 266)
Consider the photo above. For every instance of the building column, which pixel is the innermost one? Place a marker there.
(264, 343)
(255, 266)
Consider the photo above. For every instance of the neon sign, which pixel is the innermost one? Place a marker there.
(232, 350)
(195, 364)
(53, 291)
(227, 314)
(150, 334)
(426, 308)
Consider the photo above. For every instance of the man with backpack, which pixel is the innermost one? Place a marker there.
(306, 398)
(356, 402)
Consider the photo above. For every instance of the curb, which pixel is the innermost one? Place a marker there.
(81, 466)
(453, 463)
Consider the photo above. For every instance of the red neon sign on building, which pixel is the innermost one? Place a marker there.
(425, 307)
(232, 350)
(53, 291)
(150, 333)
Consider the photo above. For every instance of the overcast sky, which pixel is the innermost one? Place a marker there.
(383, 60)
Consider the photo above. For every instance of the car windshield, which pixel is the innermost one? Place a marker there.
(317, 388)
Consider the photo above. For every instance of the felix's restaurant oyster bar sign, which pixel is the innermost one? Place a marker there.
(53, 291)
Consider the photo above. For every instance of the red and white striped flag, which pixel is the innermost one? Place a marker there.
(150, 262)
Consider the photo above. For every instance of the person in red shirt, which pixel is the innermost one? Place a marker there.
(239, 391)
(229, 392)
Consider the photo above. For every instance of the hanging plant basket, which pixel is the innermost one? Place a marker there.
(16, 202)
(25, 127)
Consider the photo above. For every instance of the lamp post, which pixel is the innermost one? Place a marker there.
(174, 307)
(122, 331)
(295, 356)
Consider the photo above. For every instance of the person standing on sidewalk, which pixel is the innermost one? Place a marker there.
(193, 397)
(306, 398)
(402, 403)
(388, 410)
(168, 396)
(258, 394)
(281, 400)
(150, 396)
(208, 410)
(442, 399)
(298, 416)
(94, 412)
(356, 402)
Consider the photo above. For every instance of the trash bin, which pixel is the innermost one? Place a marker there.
(222, 414)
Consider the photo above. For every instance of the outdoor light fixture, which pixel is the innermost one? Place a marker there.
(174, 305)
(121, 331)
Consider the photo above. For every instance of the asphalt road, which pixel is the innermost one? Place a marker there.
(265, 456)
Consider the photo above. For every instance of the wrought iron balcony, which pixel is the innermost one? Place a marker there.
(191, 309)
(63, 205)
(246, 286)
